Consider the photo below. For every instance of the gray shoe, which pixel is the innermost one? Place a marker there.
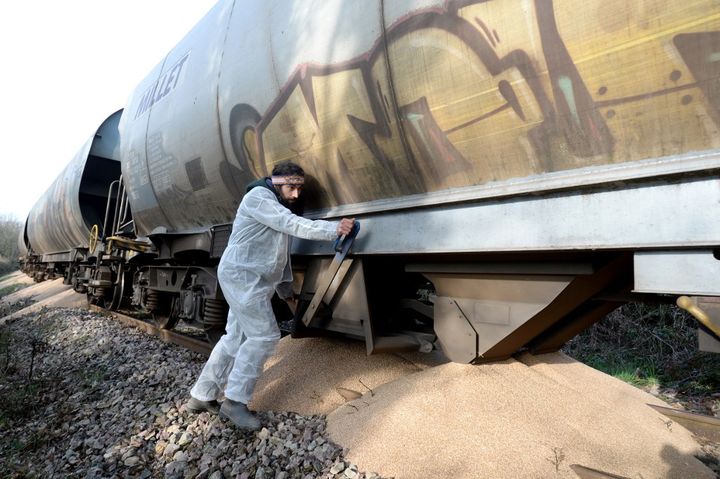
(198, 406)
(239, 414)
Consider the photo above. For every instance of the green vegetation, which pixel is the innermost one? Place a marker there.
(88, 379)
(653, 347)
(9, 234)
(14, 399)
(11, 289)
(18, 402)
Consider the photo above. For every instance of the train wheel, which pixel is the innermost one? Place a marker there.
(99, 286)
(123, 281)
(160, 306)
(93, 300)
(164, 319)
(68, 275)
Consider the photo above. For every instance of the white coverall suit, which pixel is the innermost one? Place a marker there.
(255, 264)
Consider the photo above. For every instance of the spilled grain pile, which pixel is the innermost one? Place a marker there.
(532, 417)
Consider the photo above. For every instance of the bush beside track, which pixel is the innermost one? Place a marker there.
(9, 232)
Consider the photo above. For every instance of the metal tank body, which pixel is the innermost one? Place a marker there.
(172, 155)
(416, 103)
(62, 218)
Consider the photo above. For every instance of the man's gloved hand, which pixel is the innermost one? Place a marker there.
(345, 226)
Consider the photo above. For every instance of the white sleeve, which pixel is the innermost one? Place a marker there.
(268, 211)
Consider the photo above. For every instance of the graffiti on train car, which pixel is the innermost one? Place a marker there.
(489, 91)
(162, 87)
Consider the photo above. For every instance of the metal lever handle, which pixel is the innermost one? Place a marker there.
(342, 246)
(343, 242)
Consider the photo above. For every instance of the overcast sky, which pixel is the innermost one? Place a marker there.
(66, 66)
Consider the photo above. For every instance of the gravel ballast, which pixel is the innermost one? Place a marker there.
(83, 396)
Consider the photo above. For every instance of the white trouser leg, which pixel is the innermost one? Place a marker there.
(217, 368)
(261, 336)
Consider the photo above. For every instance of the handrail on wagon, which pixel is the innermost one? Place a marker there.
(107, 205)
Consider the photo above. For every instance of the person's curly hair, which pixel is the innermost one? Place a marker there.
(287, 168)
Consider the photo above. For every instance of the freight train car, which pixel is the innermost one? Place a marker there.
(521, 168)
(57, 231)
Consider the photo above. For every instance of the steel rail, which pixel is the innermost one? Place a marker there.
(701, 425)
(589, 473)
(165, 335)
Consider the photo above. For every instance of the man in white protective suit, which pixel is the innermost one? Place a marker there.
(256, 264)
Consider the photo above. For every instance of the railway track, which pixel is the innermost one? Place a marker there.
(707, 427)
(168, 336)
(590, 473)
